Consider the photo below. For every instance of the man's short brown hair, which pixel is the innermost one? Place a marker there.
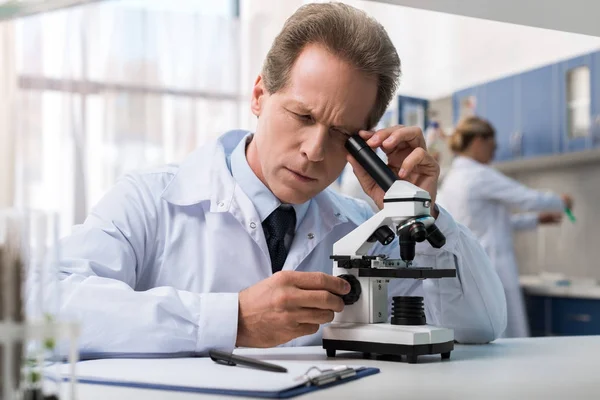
(348, 33)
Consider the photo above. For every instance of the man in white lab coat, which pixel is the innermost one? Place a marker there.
(231, 248)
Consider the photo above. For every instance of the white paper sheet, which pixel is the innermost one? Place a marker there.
(194, 373)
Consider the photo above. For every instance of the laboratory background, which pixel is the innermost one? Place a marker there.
(91, 90)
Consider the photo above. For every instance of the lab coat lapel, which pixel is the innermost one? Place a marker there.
(321, 218)
(228, 197)
(244, 211)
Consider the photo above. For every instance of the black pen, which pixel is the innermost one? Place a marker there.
(223, 357)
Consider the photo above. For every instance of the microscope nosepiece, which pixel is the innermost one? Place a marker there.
(418, 232)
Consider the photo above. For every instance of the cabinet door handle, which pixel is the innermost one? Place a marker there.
(595, 129)
(579, 317)
(516, 143)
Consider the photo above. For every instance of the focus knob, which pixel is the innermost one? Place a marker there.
(354, 294)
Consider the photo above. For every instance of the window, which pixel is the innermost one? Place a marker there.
(103, 90)
(578, 102)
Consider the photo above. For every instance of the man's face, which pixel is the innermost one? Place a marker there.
(298, 149)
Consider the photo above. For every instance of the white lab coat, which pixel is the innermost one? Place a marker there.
(158, 264)
(484, 200)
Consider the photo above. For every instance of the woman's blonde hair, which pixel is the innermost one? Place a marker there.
(467, 130)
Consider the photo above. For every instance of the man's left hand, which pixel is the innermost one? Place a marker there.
(407, 158)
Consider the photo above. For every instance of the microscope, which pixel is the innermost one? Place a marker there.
(365, 324)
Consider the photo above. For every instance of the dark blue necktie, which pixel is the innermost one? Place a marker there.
(278, 224)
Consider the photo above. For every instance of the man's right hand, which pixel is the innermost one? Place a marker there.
(288, 305)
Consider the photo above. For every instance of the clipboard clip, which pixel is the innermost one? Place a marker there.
(319, 377)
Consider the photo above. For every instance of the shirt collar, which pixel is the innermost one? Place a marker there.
(263, 199)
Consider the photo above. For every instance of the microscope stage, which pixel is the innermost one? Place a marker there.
(388, 339)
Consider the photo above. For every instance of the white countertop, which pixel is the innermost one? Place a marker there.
(560, 287)
(534, 368)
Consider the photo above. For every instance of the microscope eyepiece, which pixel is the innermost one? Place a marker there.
(370, 161)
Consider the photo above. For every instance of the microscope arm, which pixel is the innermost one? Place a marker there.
(357, 242)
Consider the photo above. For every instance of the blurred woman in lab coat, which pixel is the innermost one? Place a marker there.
(484, 200)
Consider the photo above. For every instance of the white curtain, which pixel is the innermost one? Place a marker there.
(111, 87)
(7, 95)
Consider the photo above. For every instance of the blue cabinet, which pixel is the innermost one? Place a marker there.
(562, 316)
(531, 111)
(412, 111)
(498, 102)
(539, 314)
(524, 110)
(468, 101)
(539, 119)
(575, 317)
(501, 110)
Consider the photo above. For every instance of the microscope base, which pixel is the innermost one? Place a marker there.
(387, 339)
